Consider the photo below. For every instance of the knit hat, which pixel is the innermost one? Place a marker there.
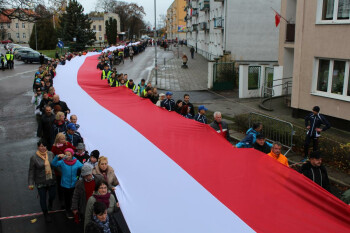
(95, 153)
(86, 170)
(69, 150)
(81, 146)
(315, 155)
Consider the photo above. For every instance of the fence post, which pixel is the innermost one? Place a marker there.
(211, 74)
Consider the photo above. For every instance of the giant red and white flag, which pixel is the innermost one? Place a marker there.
(178, 175)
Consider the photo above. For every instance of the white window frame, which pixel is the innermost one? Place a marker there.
(17, 35)
(24, 36)
(329, 93)
(17, 25)
(335, 20)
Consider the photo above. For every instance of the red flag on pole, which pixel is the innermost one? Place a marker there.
(277, 19)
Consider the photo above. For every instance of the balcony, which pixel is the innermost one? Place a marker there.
(218, 22)
(290, 35)
(195, 12)
(218, 0)
(204, 26)
(194, 28)
(204, 5)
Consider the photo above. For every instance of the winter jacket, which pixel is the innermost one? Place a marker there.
(111, 177)
(225, 131)
(74, 139)
(42, 105)
(316, 174)
(79, 198)
(264, 148)
(190, 105)
(63, 105)
(36, 101)
(168, 104)
(200, 118)
(60, 150)
(93, 227)
(69, 172)
(46, 126)
(90, 207)
(59, 128)
(249, 139)
(315, 121)
(36, 174)
(82, 158)
(280, 158)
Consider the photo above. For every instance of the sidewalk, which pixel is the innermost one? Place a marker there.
(172, 77)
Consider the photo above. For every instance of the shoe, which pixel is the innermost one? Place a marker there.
(47, 217)
(70, 215)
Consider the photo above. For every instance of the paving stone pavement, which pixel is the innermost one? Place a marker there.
(172, 77)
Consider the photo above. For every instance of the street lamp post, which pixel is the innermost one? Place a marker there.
(155, 44)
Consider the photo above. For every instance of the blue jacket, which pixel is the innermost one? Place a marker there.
(69, 172)
(200, 118)
(250, 139)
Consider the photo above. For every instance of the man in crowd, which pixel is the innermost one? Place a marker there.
(56, 101)
(276, 154)
(72, 135)
(200, 116)
(261, 145)
(186, 101)
(315, 171)
(313, 124)
(105, 73)
(46, 126)
(84, 189)
(141, 87)
(251, 135)
(2, 60)
(131, 85)
(168, 103)
(220, 126)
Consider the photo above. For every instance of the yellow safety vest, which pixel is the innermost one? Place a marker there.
(8, 56)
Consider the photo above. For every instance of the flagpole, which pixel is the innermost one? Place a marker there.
(280, 15)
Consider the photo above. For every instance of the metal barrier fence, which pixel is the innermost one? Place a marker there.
(274, 129)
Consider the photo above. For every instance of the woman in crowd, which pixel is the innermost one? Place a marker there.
(70, 167)
(51, 93)
(101, 221)
(101, 194)
(178, 106)
(185, 111)
(41, 174)
(73, 119)
(94, 156)
(59, 124)
(81, 154)
(107, 172)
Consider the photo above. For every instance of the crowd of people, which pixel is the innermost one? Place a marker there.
(84, 182)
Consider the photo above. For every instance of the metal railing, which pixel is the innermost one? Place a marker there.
(267, 93)
(274, 129)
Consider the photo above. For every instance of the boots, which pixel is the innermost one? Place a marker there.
(47, 217)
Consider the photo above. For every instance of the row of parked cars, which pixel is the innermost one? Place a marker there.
(25, 54)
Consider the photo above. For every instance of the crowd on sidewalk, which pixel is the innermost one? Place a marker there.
(84, 182)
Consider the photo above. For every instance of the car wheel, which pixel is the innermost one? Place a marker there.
(31, 62)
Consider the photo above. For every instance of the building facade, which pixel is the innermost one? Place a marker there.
(99, 26)
(314, 50)
(175, 23)
(16, 30)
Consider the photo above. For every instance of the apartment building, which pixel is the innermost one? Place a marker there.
(175, 23)
(15, 29)
(99, 25)
(314, 50)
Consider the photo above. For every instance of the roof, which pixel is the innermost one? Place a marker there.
(5, 19)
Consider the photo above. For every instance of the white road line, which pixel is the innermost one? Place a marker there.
(16, 75)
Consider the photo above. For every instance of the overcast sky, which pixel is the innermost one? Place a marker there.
(148, 5)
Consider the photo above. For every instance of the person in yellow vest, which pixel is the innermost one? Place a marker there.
(112, 81)
(2, 59)
(276, 153)
(8, 59)
(131, 85)
(106, 72)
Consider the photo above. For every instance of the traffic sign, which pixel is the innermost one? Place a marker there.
(60, 44)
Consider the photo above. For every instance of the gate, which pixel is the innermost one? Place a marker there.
(274, 129)
(224, 76)
(254, 73)
(268, 83)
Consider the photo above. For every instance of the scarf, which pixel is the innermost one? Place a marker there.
(103, 198)
(103, 225)
(45, 157)
(70, 162)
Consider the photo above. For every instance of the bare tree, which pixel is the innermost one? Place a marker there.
(106, 5)
(19, 9)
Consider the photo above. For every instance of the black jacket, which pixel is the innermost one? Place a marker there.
(316, 174)
(74, 139)
(264, 148)
(315, 121)
(189, 105)
(46, 126)
(92, 226)
(63, 105)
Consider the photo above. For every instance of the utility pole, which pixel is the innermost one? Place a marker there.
(36, 38)
(155, 44)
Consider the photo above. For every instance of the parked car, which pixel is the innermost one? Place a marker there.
(6, 41)
(16, 50)
(33, 57)
(20, 53)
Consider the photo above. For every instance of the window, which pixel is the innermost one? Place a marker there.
(332, 78)
(17, 35)
(16, 25)
(8, 25)
(24, 35)
(100, 27)
(335, 10)
(9, 35)
(23, 25)
(100, 38)
(253, 77)
(1, 26)
(94, 27)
